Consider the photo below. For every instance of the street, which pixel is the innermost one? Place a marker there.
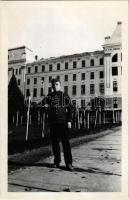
(97, 168)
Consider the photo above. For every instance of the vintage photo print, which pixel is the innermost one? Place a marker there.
(64, 99)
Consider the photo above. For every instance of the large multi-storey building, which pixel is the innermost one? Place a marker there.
(83, 76)
(17, 59)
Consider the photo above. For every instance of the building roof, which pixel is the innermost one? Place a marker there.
(20, 47)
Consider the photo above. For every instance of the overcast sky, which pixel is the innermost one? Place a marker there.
(61, 28)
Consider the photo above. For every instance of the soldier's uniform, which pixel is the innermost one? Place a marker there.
(59, 114)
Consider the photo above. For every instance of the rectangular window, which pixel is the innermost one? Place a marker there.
(115, 86)
(42, 79)
(58, 66)
(66, 89)
(74, 90)
(16, 71)
(28, 81)
(92, 75)
(19, 71)
(41, 92)
(27, 92)
(66, 65)
(58, 77)
(35, 80)
(101, 61)
(36, 69)
(18, 81)
(74, 77)
(50, 67)
(43, 68)
(35, 92)
(28, 70)
(83, 103)
(92, 89)
(74, 64)
(114, 71)
(101, 88)
(92, 62)
(101, 74)
(82, 89)
(50, 79)
(83, 63)
(83, 76)
(66, 77)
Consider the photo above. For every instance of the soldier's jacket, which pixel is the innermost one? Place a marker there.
(59, 107)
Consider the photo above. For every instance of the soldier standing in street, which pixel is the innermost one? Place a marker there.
(59, 118)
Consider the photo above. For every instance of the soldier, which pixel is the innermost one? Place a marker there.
(59, 118)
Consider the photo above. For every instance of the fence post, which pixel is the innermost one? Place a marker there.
(96, 114)
(104, 116)
(88, 119)
(43, 126)
(17, 118)
(21, 119)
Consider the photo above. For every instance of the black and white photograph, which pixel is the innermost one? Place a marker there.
(66, 78)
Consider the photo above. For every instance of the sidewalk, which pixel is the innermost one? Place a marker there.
(97, 168)
(32, 156)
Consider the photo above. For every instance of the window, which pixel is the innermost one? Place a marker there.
(83, 76)
(42, 79)
(101, 88)
(28, 70)
(36, 69)
(114, 71)
(101, 61)
(83, 63)
(50, 67)
(43, 68)
(35, 92)
(18, 81)
(28, 81)
(27, 92)
(74, 90)
(58, 66)
(74, 64)
(92, 90)
(115, 87)
(82, 103)
(115, 58)
(50, 79)
(66, 77)
(74, 77)
(58, 77)
(101, 74)
(35, 80)
(82, 89)
(92, 62)
(66, 89)
(41, 92)
(92, 75)
(115, 102)
(66, 65)
(16, 71)
(19, 71)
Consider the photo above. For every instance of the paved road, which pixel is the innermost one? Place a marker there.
(97, 169)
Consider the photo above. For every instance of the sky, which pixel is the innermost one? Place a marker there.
(53, 29)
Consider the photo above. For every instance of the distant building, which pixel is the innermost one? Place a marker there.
(17, 59)
(83, 76)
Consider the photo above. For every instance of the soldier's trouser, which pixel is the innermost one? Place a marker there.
(59, 132)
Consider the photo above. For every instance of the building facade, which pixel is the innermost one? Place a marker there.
(83, 76)
(17, 59)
